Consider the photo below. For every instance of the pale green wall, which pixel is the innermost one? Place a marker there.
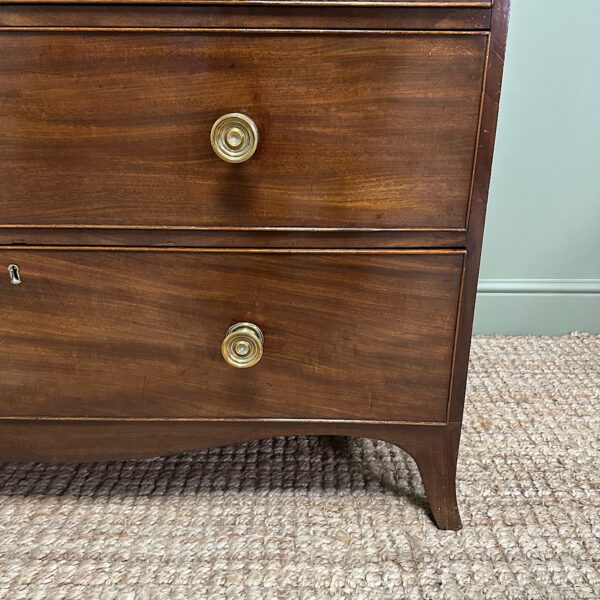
(541, 263)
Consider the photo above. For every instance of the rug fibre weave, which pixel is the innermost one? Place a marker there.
(332, 518)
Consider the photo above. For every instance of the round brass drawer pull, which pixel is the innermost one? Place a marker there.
(243, 345)
(234, 137)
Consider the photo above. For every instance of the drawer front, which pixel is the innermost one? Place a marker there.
(355, 129)
(138, 333)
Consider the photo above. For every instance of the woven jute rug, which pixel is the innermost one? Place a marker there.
(328, 518)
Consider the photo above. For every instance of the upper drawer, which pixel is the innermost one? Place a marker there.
(356, 129)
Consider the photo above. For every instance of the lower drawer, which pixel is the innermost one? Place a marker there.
(138, 333)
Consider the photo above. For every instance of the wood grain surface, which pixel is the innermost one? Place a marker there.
(123, 333)
(357, 129)
(264, 15)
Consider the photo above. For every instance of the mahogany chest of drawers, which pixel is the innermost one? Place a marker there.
(228, 221)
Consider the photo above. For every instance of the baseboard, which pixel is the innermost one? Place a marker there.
(537, 306)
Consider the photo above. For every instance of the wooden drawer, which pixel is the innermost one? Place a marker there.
(356, 129)
(137, 333)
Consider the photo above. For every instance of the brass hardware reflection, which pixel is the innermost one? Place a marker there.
(15, 276)
(234, 137)
(243, 345)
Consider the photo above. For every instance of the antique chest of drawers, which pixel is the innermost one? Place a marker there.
(224, 221)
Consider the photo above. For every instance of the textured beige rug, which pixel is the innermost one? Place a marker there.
(329, 518)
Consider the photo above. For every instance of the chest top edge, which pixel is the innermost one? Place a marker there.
(314, 3)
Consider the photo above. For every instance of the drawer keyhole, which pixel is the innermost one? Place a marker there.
(15, 276)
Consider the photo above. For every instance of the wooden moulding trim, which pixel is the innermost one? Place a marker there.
(209, 420)
(236, 250)
(79, 441)
(243, 30)
(366, 3)
(254, 17)
(238, 229)
(218, 239)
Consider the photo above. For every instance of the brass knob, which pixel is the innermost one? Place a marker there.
(234, 137)
(243, 345)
